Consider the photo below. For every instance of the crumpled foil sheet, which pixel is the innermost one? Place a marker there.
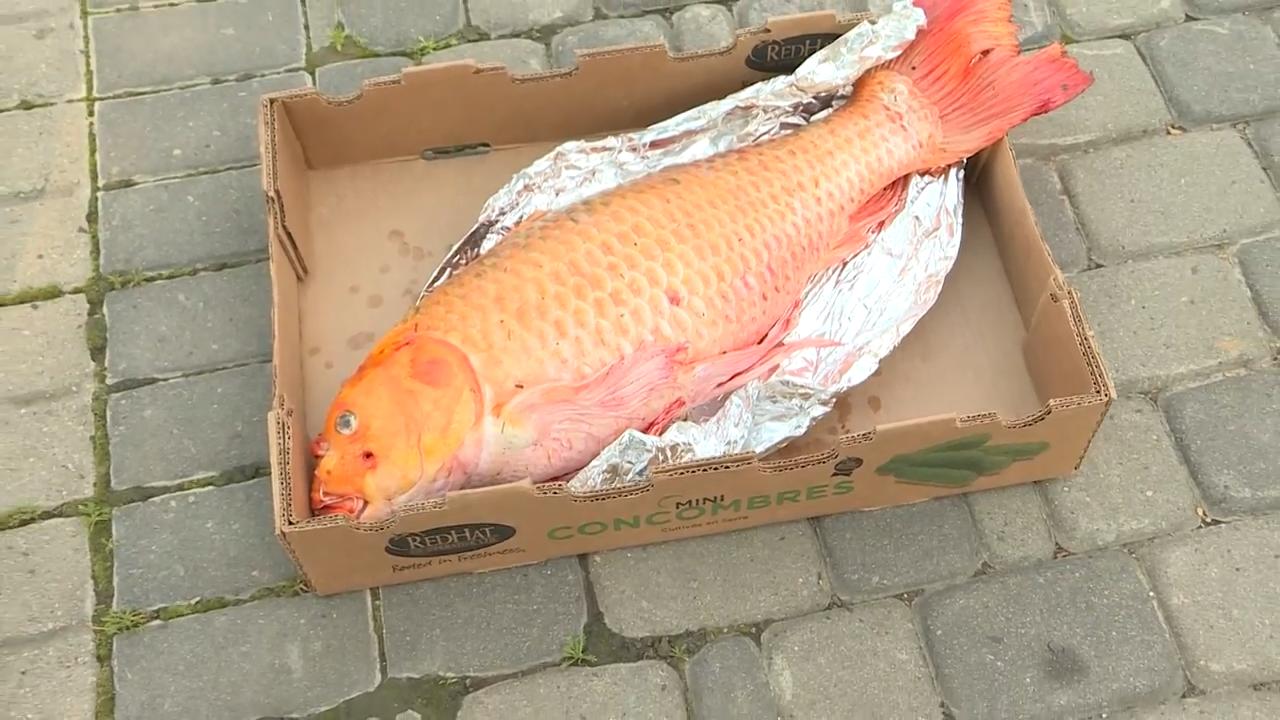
(867, 304)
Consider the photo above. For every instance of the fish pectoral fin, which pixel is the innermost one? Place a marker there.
(868, 219)
(722, 374)
(621, 395)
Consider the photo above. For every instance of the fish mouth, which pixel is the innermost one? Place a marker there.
(341, 505)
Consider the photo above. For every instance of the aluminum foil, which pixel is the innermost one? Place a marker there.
(867, 304)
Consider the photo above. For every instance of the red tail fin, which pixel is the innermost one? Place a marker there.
(966, 60)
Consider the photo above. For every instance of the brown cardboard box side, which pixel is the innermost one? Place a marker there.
(358, 220)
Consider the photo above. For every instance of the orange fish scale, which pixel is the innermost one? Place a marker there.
(711, 253)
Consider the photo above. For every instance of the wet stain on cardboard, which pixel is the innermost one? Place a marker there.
(384, 268)
(328, 364)
(373, 301)
(360, 340)
(419, 254)
(396, 236)
(313, 351)
(873, 402)
(404, 250)
(354, 289)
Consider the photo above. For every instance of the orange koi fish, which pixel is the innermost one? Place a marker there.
(624, 309)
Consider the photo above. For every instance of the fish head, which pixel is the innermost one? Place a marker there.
(393, 426)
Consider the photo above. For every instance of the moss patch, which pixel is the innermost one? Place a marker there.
(173, 612)
(432, 698)
(244, 473)
(30, 295)
(24, 515)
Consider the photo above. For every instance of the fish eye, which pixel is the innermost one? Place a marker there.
(346, 423)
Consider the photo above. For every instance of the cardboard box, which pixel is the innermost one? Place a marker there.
(362, 208)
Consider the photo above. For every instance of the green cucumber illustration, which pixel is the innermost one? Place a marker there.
(958, 462)
(968, 442)
(1018, 451)
(947, 477)
(974, 460)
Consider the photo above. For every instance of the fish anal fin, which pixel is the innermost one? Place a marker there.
(868, 219)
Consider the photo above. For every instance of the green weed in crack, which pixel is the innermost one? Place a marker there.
(575, 652)
(114, 622)
(426, 46)
(94, 512)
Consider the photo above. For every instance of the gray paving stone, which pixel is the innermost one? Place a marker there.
(1054, 215)
(726, 681)
(1036, 23)
(189, 427)
(1122, 102)
(1229, 431)
(1067, 638)
(624, 8)
(754, 13)
(883, 552)
(1011, 526)
(520, 56)
(46, 389)
(667, 588)
(1217, 70)
(182, 131)
(1131, 485)
(53, 676)
(172, 327)
(1273, 18)
(1165, 320)
(480, 624)
(221, 217)
(649, 690)
(510, 17)
(702, 27)
(345, 77)
(1208, 8)
(1265, 136)
(863, 661)
(1241, 704)
(40, 51)
(1089, 19)
(1168, 193)
(614, 32)
(322, 15)
(44, 195)
(44, 578)
(398, 24)
(1260, 265)
(293, 656)
(210, 542)
(193, 42)
(1212, 586)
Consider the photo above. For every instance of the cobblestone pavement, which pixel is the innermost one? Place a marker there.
(132, 290)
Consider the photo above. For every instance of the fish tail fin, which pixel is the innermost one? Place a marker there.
(967, 61)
